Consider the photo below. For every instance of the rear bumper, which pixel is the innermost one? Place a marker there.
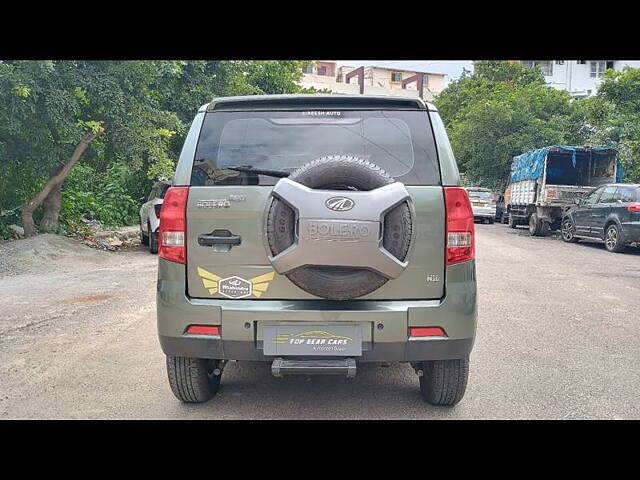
(484, 212)
(631, 232)
(382, 352)
(385, 323)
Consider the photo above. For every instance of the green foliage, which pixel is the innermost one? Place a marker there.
(613, 118)
(99, 197)
(142, 109)
(501, 111)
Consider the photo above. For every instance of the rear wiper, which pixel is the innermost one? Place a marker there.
(259, 171)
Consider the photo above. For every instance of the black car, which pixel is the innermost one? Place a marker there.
(610, 213)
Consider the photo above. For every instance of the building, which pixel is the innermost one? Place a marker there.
(580, 78)
(372, 80)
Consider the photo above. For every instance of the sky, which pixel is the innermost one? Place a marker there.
(453, 68)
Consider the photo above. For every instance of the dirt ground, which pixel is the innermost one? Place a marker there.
(557, 338)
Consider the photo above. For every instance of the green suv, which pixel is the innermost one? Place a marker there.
(316, 232)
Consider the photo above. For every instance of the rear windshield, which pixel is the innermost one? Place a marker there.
(400, 142)
(478, 195)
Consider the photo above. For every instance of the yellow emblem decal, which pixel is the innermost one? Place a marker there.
(234, 286)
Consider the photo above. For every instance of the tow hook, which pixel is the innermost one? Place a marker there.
(219, 367)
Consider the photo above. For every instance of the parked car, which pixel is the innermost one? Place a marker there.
(291, 207)
(610, 213)
(150, 215)
(483, 203)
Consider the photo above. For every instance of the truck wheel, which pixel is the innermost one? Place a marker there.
(568, 231)
(144, 239)
(192, 379)
(444, 381)
(512, 222)
(537, 227)
(153, 241)
(613, 239)
(491, 221)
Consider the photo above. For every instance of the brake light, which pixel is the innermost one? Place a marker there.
(173, 225)
(426, 332)
(203, 330)
(634, 207)
(459, 226)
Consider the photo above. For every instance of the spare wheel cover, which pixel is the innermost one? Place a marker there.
(339, 172)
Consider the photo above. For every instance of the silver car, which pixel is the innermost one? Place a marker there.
(150, 215)
(483, 203)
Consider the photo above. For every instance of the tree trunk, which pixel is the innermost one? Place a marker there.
(53, 184)
(51, 205)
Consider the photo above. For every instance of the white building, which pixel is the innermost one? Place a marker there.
(372, 80)
(580, 78)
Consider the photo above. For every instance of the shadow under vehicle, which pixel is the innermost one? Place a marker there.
(547, 181)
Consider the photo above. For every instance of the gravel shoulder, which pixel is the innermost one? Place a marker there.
(557, 338)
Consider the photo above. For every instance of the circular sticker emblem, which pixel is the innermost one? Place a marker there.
(339, 204)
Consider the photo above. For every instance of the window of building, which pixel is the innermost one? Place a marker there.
(581, 62)
(597, 68)
(308, 68)
(559, 62)
(545, 66)
(425, 80)
(322, 70)
(609, 64)
(396, 77)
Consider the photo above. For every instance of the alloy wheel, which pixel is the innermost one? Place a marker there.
(612, 237)
(567, 230)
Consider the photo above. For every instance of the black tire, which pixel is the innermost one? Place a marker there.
(537, 227)
(614, 239)
(153, 241)
(512, 222)
(568, 231)
(339, 172)
(444, 381)
(491, 221)
(192, 379)
(144, 239)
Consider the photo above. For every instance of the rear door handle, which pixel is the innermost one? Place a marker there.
(219, 237)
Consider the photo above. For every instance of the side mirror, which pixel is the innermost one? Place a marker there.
(143, 199)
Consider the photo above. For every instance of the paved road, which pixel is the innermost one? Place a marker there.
(557, 338)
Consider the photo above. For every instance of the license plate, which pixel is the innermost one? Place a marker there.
(341, 340)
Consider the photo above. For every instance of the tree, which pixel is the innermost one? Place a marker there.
(125, 120)
(500, 111)
(612, 118)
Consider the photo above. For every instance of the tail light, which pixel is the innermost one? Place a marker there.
(173, 225)
(157, 207)
(203, 330)
(634, 207)
(459, 226)
(426, 332)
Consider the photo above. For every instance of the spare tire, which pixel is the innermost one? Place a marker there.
(339, 172)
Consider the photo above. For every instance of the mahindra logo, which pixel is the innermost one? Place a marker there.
(339, 204)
